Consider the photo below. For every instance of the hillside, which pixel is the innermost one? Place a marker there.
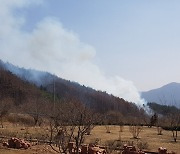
(164, 110)
(15, 89)
(166, 95)
(66, 90)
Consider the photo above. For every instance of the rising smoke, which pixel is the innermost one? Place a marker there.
(53, 48)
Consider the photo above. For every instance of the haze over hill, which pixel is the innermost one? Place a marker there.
(45, 79)
(166, 95)
(51, 47)
(33, 37)
(65, 90)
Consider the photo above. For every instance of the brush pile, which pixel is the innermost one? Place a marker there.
(17, 143)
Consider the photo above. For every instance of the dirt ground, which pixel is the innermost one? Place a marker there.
(38, 149)
(147, 135)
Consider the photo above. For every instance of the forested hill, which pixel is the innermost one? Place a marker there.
(66, 90)
(15, 90)
(163, 109)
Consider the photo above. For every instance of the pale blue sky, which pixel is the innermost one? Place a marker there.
(138, 40)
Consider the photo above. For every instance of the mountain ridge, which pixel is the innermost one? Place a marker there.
(99, 101)
(168, 94)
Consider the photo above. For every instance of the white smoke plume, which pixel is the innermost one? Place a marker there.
(53, 48)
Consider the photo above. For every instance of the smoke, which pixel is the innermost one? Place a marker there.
(53, 48)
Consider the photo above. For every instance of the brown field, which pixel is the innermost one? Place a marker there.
(147, 135)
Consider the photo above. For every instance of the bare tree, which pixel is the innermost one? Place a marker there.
(174, 123)
(108, 128)
(72, 122)
(159, 130)
(5, 106)
(135, 130)
(112, 117)
(37, 108)
(172, 118)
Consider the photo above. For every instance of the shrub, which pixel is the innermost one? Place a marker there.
(135, 130)
(20, 119)
(95, 141)
(142, 145)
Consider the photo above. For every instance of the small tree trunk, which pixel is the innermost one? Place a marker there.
(107, 129)
(175, 135)
(159, 129)
(2, 126)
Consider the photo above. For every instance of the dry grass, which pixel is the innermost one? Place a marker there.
(148, 135)
(22, 131)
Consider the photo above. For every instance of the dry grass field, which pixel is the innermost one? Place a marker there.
(147, 135)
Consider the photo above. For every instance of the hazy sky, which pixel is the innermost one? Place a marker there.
(119, 46)
(135, 39)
